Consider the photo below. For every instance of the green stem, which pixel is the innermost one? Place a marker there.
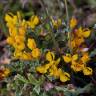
(51, 25)
(67, 15)
(69, 33)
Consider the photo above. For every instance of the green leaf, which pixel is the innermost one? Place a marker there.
(37, 89)
(21, 78)
(32, 79)
(41, 80)
(44, 94)
(61, 88)
(47, 26)
(87, 88)
(38, 83)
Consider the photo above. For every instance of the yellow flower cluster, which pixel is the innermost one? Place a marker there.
(78, 58)
(4, 72)
(17, 36)
(78, 35)
(78, 63)
(52, 68)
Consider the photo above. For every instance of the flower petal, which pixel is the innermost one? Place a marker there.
(50, 56)
(87, 71)
(67, 59)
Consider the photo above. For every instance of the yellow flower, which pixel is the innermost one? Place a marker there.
(73, 22)
(33, 22)
(83, 32)
(22, 31)
(73, 44)
(51, 65)
(31, 44)
(75, 57)
(79, 41)
(54, 71)
(76, 42)
(36, 53)
(8, 18)
(50, 56)
(14, 18)
(68, 58)
(10, 40)
(47, 66)
(78, 32)
(86, 32)
(19, 39)
(22, 55)
(14, 23)
(42, 69)
(12, 31)
(56, 23)
(19, 16)
(85, 58)
(17, 54)
(56, 62)
(11, 20)
(64, 76)
(87, 71)
(26, 56)
(19, 46)
(17, 42)
(6, 72)
(77, 66)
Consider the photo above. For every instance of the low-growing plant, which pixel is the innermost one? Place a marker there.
(48, 55)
